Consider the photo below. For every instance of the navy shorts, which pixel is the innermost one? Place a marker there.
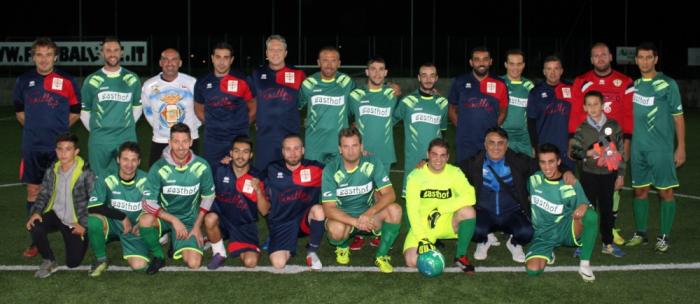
(34, 165)
(241, 238)
(284, 235)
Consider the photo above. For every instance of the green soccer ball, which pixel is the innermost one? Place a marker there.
(431, 263)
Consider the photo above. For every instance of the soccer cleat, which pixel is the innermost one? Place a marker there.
(384, 264)
(554, 259)
(313, 261)
(376, 241)
(155, 266)
(586, 273)
(613, 250)
(482, 251)
(357, 243)
(662, 244)
(30, 252)
(463, 264)
(342, 255)
(98, 268)
(493, 240)
(46, 268)
(216, 261)
(516, 251)
(637, 239)
(617, 238)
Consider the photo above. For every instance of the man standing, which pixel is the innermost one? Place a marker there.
(351, 184)
(47, 103)
(424, 115)
(179, 192)
(326, 94)
(518, 89)
(111, 107)
(477, 102)
(658, 119)
(439, 203)
(235, 209)
(293, 186)
(276, 89)
(167, 99)
(224, 103)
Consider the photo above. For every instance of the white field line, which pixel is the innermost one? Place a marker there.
(291, 269)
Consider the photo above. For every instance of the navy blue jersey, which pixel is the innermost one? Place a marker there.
(550, 107)
(225, 105)
(478, 105)
(292, 193)
(276, 94)
(46, 102)
(236, 200)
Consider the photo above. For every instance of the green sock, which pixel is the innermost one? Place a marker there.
(96, 235)
(140, 270)
(533, 273)
(668, 211)
(590, 233)
(641, 214)
(389, 233)
(616, 201)
(150, 237)
(465, 231)
(342, 243)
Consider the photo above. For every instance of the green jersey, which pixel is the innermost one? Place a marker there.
(110, 99)
(353, 190)
(181, 191)
(120, 195)
(327, 113)
(430, 195)
(656, 102)
(516, 120)
(373, 111)
(552, 201)
(423, 119)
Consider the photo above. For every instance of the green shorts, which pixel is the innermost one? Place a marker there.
(132, 246)
(443, 230)
(103, 159)
(544, 242)
(655, 168)
(520, 142)
(180, 245)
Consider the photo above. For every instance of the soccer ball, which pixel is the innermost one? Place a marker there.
(431, 263)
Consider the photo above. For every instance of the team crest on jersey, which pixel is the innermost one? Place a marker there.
(57, 84)
(566, 92)
(617, 82)
(289, 77)
(226, 180)
(491, 87)
(232, 86)
(607, 107)
(247, 186)
(209, 85)
(601, 82)
(280, 175)
(32, 83)
(263, 76)
(468, 85)
(544, 95)
(305, 175)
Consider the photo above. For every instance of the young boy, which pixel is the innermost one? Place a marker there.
(597, 144)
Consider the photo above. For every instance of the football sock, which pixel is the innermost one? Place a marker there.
(465, 231)
(668, 211)
(96, 235)
(316, 234)
(590, 232)
(389, 233)
(641, 214)
(150, 237)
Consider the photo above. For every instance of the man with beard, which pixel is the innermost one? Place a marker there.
(234, 214)
(617, 90)
(326, 94)
(275, 86)
(424, 115)
(109, 96)
(477, 102)
(293, 188)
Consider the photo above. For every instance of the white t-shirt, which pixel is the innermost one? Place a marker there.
(167, 103)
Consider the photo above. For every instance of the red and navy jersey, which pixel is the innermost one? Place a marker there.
(478, 104)
(550, 107)
(47, 101)
(291, 193)
(617, 89)
(276, 94)
(236, 199)
(225, 104)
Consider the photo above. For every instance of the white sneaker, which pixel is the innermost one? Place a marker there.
(313, 261)
(493, 240)
(164, 239)
(586, 272)
(482, 251)
(516, 251)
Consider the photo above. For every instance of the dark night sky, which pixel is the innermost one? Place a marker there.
(364, 28)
